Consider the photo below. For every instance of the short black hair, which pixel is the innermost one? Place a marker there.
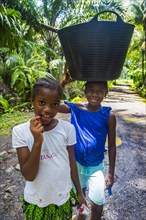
(98, 82)
(49, 83)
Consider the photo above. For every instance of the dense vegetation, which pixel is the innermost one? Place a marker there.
(29, 50)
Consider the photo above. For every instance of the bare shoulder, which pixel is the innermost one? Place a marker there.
(80, 105)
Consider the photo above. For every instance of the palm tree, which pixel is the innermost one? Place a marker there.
(28, 11)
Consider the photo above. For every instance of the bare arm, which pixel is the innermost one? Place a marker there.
(74, 175)
(63, 108)
(29, 161)
(111, 149)
(66, 78)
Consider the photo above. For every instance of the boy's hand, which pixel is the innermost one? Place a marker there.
(66, 78)
(110, 179)
(36, 129)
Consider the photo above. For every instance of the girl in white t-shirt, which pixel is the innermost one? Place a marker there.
(46, 156)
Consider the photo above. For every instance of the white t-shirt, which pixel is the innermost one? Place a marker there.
(53, 183)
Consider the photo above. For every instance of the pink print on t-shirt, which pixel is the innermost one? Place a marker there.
(49, 156)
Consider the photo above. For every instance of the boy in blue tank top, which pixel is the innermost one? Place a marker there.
(93, 122)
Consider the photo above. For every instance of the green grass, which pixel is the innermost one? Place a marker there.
(8, 120)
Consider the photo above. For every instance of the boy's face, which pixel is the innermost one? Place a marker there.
(46, 104)
(95, 93)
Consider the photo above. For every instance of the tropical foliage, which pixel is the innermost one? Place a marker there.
(30, 47)
(136, 60)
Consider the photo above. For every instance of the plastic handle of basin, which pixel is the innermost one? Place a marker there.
(95, 18)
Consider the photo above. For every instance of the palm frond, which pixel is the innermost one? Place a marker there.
(4, 104)
(17, 74)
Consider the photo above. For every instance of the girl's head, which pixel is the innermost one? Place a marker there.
(46, 96)
(95, 92)
(48, 83)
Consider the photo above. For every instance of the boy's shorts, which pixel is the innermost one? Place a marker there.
(93, 178)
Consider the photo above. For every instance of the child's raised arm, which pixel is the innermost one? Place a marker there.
(63, 108)
(29, 160)
(66, 78)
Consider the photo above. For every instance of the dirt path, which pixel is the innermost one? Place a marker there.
(128, 199)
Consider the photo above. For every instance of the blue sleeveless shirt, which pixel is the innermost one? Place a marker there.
(91, 131)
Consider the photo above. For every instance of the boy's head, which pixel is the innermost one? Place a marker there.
(99, 84)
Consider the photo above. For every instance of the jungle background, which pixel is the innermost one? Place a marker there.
(29, 50)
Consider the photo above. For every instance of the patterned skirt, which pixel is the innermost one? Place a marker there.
(50, 212)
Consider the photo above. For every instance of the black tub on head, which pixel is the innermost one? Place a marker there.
(96, 50)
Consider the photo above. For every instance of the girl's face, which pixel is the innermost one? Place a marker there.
(46, 104)
(95, 93)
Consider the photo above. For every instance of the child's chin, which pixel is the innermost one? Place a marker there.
(45, 122)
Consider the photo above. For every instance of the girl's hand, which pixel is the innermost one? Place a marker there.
(37, 129)
(82, 200)
(110, 179)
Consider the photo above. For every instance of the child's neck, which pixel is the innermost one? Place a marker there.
(92, 108)
(51, 125)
